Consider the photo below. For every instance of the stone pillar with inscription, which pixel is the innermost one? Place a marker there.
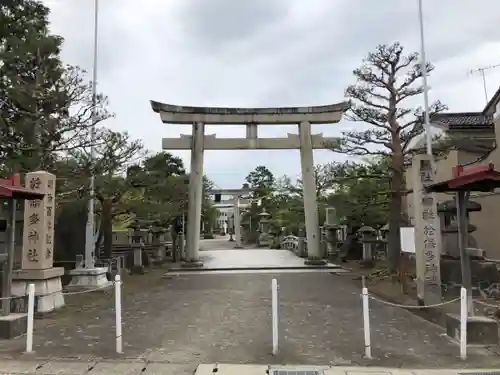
(38, 246)
(427, 232)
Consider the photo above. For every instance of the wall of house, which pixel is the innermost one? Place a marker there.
(487, 220)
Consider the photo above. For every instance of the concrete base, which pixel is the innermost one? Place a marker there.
(195, 264)
(160, 256)
(481, 330)
(137, 270)
(89, 278)
(238, 247)
(48, 287)
(13, 325)
(315, 262)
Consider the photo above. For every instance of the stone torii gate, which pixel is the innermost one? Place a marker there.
(198, 142)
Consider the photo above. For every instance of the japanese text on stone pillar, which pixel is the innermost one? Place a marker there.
(430, 233)
(38, 233)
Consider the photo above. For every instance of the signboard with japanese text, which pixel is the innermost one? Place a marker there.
(38, 232)
(427, 232)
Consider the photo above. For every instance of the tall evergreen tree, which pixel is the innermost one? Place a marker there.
(45, 106)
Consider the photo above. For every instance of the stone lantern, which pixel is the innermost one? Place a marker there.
(264, 239)
(230, 227)
(245, 226)
(137, 242)
(384, 232)
(157, 233)
(381, 248)
(368, 239)
(331, 226)
(302, 244)
(135, 234)
(447, 212)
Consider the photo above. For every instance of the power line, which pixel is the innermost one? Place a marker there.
(482, 73)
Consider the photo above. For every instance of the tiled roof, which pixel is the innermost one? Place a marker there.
(465, 119)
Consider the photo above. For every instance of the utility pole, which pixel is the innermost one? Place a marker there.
(423, 67)
(482, 73)
(90, 275)
(90, 230)
(428, 283)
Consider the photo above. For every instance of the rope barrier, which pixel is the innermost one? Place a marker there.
(68, 293)
(413, 306)
(486, 304)
(87, 290)
(366, 296)
(429, 306)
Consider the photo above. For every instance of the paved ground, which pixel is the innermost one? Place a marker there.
(252, 259)
(219, 254)
(189, 319)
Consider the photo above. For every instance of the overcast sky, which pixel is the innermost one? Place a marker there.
(266, 53)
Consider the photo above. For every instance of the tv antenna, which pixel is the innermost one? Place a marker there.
(482, 72)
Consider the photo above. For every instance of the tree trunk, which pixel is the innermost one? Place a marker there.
(98, 241)
(70, 222)
(395, 210)
(107, 227)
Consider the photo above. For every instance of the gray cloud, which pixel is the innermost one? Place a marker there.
(212, 25)
(265, 53)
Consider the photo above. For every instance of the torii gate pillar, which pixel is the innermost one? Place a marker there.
(309, 191)
(195, 196)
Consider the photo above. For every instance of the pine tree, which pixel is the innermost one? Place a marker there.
(45, 106)
(381, 99)
(29, 72)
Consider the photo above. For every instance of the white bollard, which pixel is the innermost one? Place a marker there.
(274, 293)
(366, 324)
(463, 323)
(31, 317)
(118, 312)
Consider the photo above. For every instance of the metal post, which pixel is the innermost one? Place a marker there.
(423, 67)
(463, 323)
(89, 229)
(118, 314)
(275, 319)
(462, 245)
(30, 318)
(366, 323)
